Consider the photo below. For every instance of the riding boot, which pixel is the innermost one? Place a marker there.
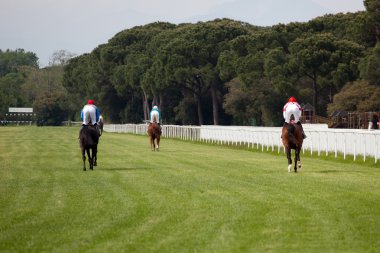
(303, 133)
(160, 128)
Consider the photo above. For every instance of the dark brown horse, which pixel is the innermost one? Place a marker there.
(292, 139)
(101, 124)
(154, 132)
(88, 141)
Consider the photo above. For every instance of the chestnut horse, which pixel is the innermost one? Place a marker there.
(292, 139)
(88, 140)
(154, 132)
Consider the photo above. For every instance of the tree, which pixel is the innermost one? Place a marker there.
(370, 66)
(50, 108)
(252, 105)
(10, 60)
(357, 96)
(325, 60)
(10, 91)
(373, 10)
(13, 71)
(60, 58)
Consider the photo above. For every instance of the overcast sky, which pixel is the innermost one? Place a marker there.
(79, 26)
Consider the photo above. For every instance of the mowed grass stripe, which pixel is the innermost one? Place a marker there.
(189, 197)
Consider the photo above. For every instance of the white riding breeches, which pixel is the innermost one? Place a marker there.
(290, 110)
(154, 117)
(89, 115)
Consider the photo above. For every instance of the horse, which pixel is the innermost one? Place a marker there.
(292, 139)
(154, 132)
(100, 127)
(88, 140)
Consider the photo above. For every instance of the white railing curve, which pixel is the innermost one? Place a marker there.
(320, 139)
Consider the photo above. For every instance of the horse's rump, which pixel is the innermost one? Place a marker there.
(88, 136)
(154, 130)
(292, 135)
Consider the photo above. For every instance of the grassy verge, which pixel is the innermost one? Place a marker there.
(189, 197)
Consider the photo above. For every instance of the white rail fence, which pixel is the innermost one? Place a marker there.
(320, 139)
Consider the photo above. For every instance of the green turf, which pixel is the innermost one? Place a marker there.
(189, 197)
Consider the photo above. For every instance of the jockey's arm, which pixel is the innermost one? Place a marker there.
(97, 115)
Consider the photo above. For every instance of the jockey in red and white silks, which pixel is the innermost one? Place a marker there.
(292, 107)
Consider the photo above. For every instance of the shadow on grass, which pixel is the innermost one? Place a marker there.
(123, 168)
(337, 171)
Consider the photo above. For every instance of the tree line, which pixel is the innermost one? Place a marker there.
(219, 72)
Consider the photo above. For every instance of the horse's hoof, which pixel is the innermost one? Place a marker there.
(84, 169)
(289, 168)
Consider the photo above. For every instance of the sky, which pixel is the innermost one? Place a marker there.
(79, 26)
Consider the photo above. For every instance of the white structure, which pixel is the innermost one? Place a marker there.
(20, 109)
(320, 139)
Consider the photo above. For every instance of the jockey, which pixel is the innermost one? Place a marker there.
(155, 115)
(293, 108)
(90, 114)
(100, 119)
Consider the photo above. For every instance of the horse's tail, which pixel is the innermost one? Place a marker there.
(291, 129)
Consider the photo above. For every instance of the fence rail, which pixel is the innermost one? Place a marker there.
(320, 139)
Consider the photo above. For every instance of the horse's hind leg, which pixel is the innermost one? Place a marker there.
(90, 159)
(288, 155)
(152, 144)
(95, 155)
(158, 143)
(298, 161)
(84, 159)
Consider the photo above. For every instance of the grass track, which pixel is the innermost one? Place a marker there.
(189, 197)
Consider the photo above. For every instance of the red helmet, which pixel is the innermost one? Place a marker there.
(90, 102)
(292, 99)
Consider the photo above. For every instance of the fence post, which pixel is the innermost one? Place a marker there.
(336, 151)
(365, 150)
(354, 148)
(344, 149)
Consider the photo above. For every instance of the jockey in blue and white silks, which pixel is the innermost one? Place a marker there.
(293, 108)
(155, 115)
(90, 114)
